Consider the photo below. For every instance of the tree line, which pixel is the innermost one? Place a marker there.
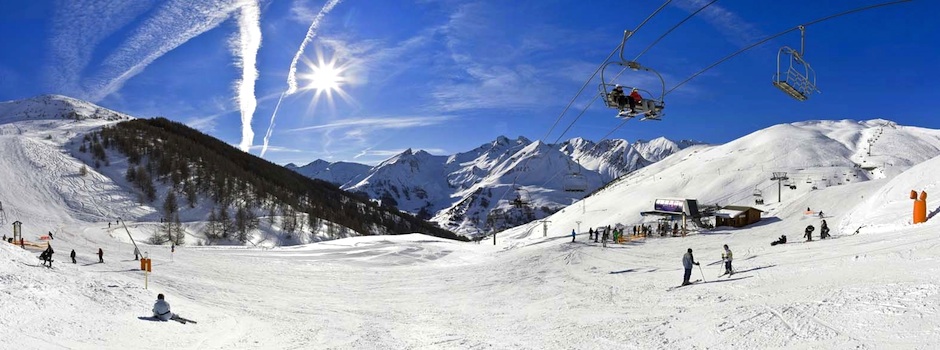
(194, 166)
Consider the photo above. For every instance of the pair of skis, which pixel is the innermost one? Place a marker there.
(181, 320)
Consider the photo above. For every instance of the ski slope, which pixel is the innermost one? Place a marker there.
(531, 290)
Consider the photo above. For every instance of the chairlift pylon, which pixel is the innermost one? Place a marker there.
(798, 80)
(650, 107)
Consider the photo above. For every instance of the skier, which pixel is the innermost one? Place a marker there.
(687, 262)
(824, 230)
(821, 214)
(809, 233)
(572, 235)
(73, 256)
(46, 255)
(604, 238)
(50, 234)
(161, 309)
(590, 233)
(726, 257)
(136, 254)
(100, 256)
(172, 247)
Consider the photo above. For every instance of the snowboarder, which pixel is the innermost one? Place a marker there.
(781, 240)
(824, 230)
(73, 256)
(809, 233)
(172, 247)
(22, 244)
(590, 233)
(604, 238)
(136, 254)
(687, 261)
(50, 234)
(100, 256)
(109, 224)
(572, 235)
(821, 214)
(161, 309)
(726, 257)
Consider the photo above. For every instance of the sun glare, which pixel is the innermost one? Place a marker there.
(325, 78)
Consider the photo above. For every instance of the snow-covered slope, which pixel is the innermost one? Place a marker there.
(874, 289)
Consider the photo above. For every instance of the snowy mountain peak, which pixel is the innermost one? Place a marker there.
(55, 107)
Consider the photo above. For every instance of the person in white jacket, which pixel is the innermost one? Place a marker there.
(726, 257)
(161, 309)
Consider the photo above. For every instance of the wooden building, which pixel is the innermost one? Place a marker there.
(737, 216)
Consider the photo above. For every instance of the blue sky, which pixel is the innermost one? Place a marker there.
(446, 76)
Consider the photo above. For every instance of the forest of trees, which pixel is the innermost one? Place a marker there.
(194, 165)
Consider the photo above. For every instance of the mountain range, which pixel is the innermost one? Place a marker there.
(497, 185)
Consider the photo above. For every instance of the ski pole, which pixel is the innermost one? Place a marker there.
(703, 273)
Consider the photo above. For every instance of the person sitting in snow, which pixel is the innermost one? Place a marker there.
(161, 309)
(781, 240)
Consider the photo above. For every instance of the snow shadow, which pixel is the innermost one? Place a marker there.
(728, 280)
(755, 268)
(622, 271)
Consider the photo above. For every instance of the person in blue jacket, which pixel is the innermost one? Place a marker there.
(687, 261)
(572, 235)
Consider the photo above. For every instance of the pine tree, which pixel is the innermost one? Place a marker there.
(169, 205)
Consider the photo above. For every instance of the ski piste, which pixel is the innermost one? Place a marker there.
(683, 285)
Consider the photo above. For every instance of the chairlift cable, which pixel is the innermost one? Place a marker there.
(780, 34)
(586, 83)
(601, 66)
(673, 28)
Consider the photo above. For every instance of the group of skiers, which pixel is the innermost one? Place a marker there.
(46, 256)
(688, 261)
(823, 231)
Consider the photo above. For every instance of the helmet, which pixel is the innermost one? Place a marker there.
(160, 296)
(635, 89)
(690, 250)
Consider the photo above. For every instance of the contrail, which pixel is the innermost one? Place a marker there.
(246, 53)
(311, 32)
(292, 73)
(267, 135)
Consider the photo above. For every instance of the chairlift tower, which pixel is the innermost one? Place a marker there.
(779, 176)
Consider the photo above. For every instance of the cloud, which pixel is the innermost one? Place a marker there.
(377, 123)
(78, 26)
(732, 26)
(172, 24)
(246, 56)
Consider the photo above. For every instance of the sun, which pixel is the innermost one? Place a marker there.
(325, 77)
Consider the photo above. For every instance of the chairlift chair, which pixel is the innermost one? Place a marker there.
(798, 79)
(522, 198)
(651, 106)
(574, 181)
